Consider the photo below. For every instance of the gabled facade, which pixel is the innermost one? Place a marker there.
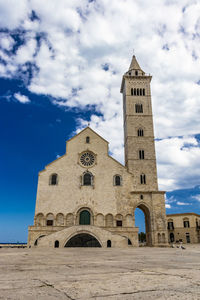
(86, 198)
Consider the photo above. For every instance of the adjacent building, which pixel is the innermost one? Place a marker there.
(184, 227)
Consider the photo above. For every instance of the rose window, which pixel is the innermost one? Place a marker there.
(87, 159)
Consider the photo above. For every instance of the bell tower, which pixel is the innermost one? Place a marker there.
(139, 145)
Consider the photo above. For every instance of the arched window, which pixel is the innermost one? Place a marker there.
(141, 197)
(87, 139)
(170, 224)
(140, 132)
(142, 179)
(84, 217)
(87, 178)
(136, 73)
(186, 223)
(140, 92)
(117, 180)
(141, 154)
(56, 244)
(135, 92)
(132, 92)
(138, 108)
(53, 179)
(143, 92)
(109, 243)
(49, 220)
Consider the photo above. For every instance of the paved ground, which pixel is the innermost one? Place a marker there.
(96, 273)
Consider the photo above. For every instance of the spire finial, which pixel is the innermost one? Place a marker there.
(88, 124)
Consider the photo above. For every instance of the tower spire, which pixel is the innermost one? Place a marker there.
(134, 64)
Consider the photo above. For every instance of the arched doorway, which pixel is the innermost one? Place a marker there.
(145, 224)
(83, 240)
(56, 244)
(84, 217)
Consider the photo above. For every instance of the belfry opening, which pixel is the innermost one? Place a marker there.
(83, 240)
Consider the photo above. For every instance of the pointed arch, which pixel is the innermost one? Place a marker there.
(146, 210)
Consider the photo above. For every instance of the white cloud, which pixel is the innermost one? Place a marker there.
(167, 205)
(196, 197)
(21, 98)
(178, 159)
(182, 203)
(78, 37)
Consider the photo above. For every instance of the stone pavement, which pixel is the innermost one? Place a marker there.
(96, 273)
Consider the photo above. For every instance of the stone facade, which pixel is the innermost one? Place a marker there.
(184, 227)
(87, 198)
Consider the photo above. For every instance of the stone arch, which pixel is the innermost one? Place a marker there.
(59, 219)
(38, 238)
(79, 212)
(39, 219)
(70, 219)
(100, 220)
(146, 210)
(83, 239)
(50, 219)
(109, 220)
(129, 220)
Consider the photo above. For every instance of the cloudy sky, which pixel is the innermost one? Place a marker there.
(61, 64)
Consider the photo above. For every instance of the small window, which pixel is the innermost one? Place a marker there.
(140, 132)
(119, 223)
(135, 92)
(143, 92)
(186, 224)
(138, 108)
(87, 179)
(117, 180)
(129, 242)
(141, 197)
(170, 225)
(136, 73)
(109, 243)
(132, 92)
(140, 92)
(87, 139)
(54, 179)
(129, 73)
(49, 222)
(141, 154)
(143, 179)
(56, 244)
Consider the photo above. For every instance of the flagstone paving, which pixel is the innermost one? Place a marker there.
(95, 273)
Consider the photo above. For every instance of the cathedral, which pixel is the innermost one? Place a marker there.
(86, 198)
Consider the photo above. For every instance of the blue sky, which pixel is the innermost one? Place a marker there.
(61, 67)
